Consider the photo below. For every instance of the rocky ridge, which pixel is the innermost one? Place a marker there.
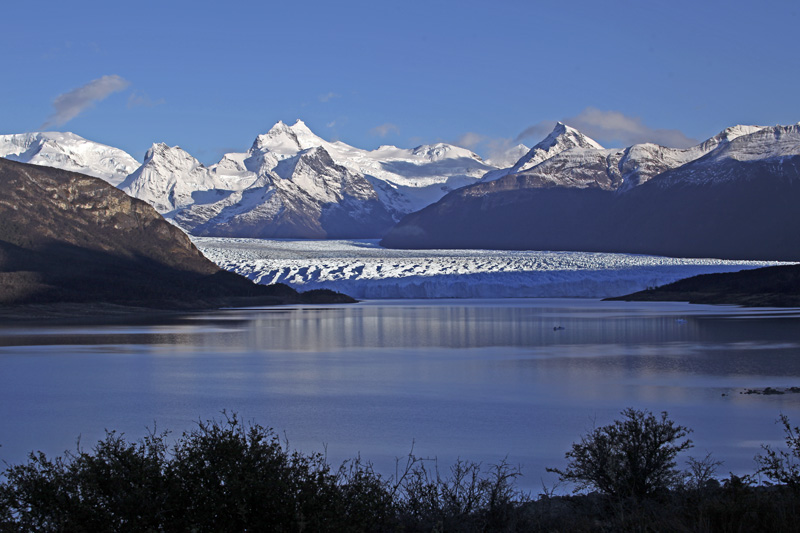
(67, 237)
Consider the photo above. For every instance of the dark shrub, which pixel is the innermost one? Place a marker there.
(782, 466)
(632, 457)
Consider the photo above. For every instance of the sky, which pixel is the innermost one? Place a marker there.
(210, 77)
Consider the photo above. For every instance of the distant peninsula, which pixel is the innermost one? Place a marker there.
(69, 239)
(776, 286)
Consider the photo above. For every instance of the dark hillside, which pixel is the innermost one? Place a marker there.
(777, 286)
(67, 237)
(731, 210)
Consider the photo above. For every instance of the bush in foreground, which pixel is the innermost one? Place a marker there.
(231, 476)
(632, 457)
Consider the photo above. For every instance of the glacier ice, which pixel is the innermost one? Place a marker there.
(365, 270)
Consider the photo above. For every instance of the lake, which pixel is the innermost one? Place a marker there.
(481, 380)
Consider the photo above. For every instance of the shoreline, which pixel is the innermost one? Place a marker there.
(102, 313)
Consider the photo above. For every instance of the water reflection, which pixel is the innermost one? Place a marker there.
(477, 379)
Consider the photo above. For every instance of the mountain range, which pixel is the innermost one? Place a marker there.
(290, 183)
(734, 196)
(731, 196)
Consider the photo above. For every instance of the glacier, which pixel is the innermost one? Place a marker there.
(365, 270)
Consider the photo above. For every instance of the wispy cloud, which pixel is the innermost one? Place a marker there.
(500, 151)
(384, 129)
(137, 99)
(69, 105)
(537, 132)
(612, 128)
(504, 152)
(331, 124)
(328, 97)
(470, 140)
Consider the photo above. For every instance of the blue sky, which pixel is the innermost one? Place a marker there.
(369, 73)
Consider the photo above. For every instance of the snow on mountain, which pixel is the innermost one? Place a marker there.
(404, 179)
(562, 138)
(286, 141)
(762, 144)
(313, 187)
(737, 155)
(68, 151)
(169, 179)
(306, 195)
(733, 196)
(567, 158)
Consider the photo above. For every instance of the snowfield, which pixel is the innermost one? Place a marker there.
(365, 270)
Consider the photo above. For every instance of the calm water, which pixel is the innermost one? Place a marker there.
(476, 379)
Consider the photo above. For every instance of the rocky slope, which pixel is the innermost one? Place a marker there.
(68, 237)
(730, 197)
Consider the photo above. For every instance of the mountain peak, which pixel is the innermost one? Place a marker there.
(738, 130)
(280, 139)
(157, 149)
(305, 137)
(300, 126)
(440, 151)
(561, 131)
(163, 152)
(726, 136)
(562, 138)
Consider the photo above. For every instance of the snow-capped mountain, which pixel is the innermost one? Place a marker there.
(181, 188)
(293, 183)
(733, 196)
(404, 179)
(562, 138)
(568, 158)
(777, 147)
(68, 151)
(167, 179)
(303, 196)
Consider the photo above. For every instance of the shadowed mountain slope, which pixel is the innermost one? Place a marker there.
(67, 237)
(738, 201)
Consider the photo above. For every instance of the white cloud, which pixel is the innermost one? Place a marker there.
(328, 97)
(384, 129)
(69, 105)
(331, 124)
(500, 151)
(470, 140)
(612, 128)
